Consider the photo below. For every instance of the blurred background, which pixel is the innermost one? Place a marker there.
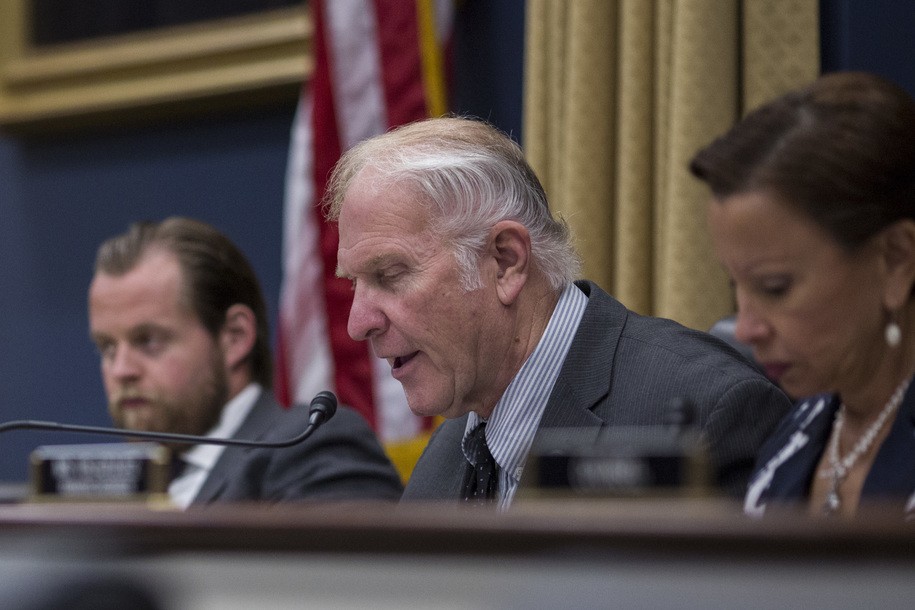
(69, 182)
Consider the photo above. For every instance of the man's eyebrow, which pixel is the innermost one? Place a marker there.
(140, 329)
(98, 337)
(376, 262)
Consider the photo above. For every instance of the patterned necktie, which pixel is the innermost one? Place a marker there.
(482, 476)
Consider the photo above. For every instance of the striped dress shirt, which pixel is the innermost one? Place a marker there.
(511, 428)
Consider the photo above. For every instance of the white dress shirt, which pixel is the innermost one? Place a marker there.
(201, 459)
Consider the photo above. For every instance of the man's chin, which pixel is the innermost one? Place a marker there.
(422, 409)
(137, 422)
(426, 408)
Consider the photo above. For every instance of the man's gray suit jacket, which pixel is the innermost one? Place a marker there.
(624, 369)
(342, 460)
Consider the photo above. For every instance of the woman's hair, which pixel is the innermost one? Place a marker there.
(841, 151)
(469, 176)
(215, 275)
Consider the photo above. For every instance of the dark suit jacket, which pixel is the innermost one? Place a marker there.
(342, 460)
(624, 369)
(788, 460)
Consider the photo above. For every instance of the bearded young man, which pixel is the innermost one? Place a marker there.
(180, 324)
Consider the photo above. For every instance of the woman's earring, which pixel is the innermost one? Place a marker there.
(892, 333)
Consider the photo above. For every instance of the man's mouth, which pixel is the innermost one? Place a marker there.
(132, 402)
(400, 361)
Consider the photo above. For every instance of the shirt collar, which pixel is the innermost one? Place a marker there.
(230, 420)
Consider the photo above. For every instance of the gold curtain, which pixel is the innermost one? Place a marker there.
(619, 94)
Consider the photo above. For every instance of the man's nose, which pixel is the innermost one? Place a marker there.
(366, 318)
(124, 364)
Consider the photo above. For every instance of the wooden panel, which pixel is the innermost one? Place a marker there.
(560, 554)
(267, 54)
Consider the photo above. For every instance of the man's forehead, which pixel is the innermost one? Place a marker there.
(147, 297)
(372, 193)
(374, 241)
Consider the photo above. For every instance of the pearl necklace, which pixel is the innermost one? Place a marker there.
(840, 467)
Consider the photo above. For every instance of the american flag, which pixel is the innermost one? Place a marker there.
(378, 64)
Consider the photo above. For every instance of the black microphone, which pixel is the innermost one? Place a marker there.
(322, 408)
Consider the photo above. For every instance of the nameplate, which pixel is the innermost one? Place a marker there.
(100, 472)
(621, 462)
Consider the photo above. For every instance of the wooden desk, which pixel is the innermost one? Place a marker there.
(592, 554)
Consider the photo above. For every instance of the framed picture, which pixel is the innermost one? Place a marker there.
(53, 74)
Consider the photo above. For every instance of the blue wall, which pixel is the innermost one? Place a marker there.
(61, 195)
(872, 35)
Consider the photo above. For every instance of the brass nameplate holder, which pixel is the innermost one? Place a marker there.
(107, 472)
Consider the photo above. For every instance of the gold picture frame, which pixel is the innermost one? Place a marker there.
(259, 56)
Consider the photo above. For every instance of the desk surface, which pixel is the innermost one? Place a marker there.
(542, 526)
(664, 553)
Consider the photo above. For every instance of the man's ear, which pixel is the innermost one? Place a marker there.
(510, 247)
(898, 250)
(238, 335)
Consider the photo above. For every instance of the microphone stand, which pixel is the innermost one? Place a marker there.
(322, 407)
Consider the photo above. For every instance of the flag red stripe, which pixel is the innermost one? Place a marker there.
(398, 40)
(281, 372)
(378, 55)
(351, 359)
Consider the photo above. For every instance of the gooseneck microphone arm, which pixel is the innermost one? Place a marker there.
(322, 407)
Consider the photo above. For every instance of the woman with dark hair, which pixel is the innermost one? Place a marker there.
(813, 217)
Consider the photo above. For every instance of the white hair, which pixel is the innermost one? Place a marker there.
(470, 176)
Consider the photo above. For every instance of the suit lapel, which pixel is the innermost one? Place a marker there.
(254, 427)
(440, 470)
(588, 368)
(449, 480)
